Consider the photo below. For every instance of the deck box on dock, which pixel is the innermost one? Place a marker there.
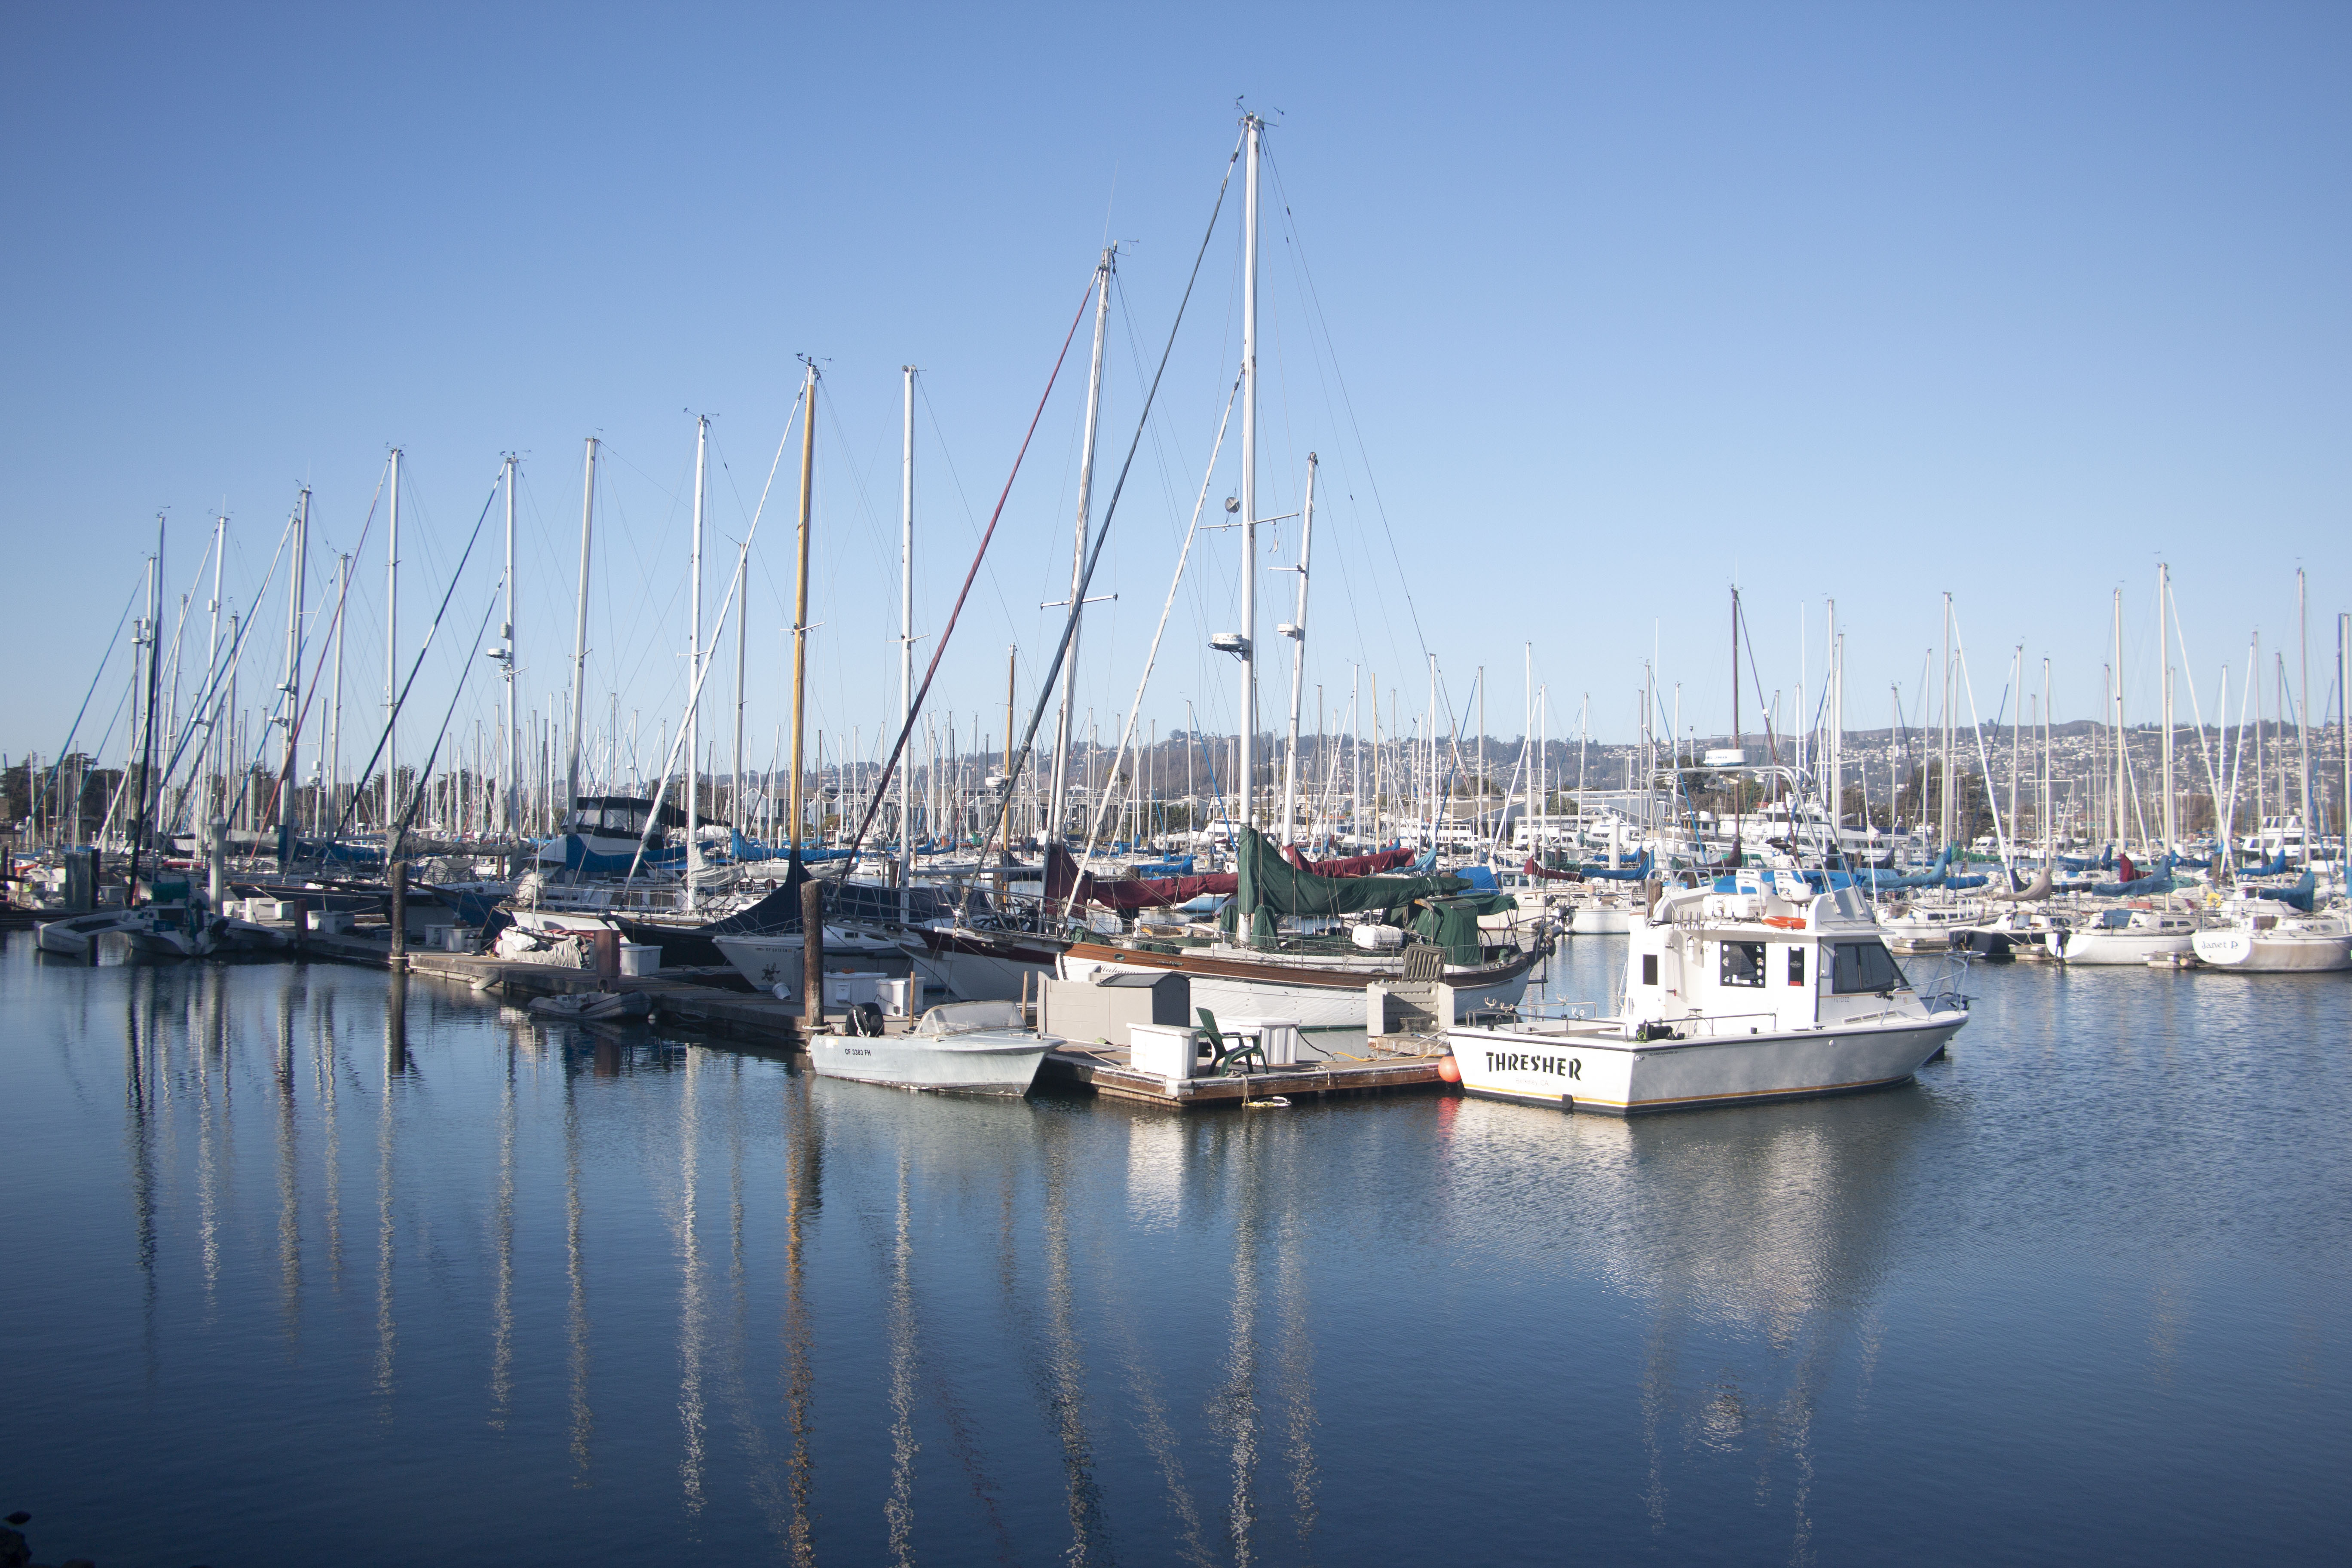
(639, 958)
(1097, 1010)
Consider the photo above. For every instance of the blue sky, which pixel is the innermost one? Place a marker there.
(1588, 311)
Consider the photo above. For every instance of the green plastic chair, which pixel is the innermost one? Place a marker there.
(1246, 1051)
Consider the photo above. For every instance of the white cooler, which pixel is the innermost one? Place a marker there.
(640, 958)
(1167, 1050)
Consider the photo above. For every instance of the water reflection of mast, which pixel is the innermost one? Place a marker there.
(396, 1065)
(502, 1234)
(899, 1511)
(140, 1077)
(1068, 1391)
(290, 1203)
(1297, 1349)
(1236, 1403)
(804, 1195)
(583, 1425)
(326, 1059)
(690, 1304)
(212, 1084)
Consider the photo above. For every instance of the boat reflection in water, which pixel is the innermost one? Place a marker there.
(1755, 1242)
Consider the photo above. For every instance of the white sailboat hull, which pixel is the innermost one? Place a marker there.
(2126, 947)
(1624, 1077)
(2273, 952)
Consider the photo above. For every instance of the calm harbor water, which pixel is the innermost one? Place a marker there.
(306, 1265)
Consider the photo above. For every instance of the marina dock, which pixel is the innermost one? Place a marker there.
(713, 1002)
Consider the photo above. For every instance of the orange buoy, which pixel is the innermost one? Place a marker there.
(1785, 922)
(1449, 1069)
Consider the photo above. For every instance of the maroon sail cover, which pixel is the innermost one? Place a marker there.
(1353, 866)
(1062, 874)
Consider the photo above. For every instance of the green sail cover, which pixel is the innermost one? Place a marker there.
(1452, 923)
(1268, 887)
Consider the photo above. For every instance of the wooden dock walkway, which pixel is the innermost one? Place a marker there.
(702, 1003)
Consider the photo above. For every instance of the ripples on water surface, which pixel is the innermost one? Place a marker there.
(302, 1273)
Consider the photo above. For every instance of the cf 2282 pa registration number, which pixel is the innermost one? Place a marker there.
(1526, 1061)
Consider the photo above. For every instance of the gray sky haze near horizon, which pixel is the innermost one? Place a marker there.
(1589, 313)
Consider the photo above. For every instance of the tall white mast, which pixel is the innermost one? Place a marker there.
(1837, 729)
(392, 673)
(907, 601)
(800, 601)
(293, 686)
(735, 819)
(212, 755)
(2303, 718)
(1297, 632)
(335, 714)
(1064, 734)
(1946, 816)
(513, 768)
(580, 628)
(694, 662)
(1245, 758)
(2164, 658)
(2123, 770)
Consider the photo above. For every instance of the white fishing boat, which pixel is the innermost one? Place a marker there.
(969, 1047)
(2125, 936)
(1760, 990)
(2266, 941)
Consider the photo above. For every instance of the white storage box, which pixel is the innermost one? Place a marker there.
(454, 939)
(1167, 1050)
(640, 958)
(854, 988)
(266, 909)
(1277, 1036)
(332, 922)
(900, 998)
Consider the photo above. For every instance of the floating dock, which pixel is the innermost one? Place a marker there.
(708, 1002)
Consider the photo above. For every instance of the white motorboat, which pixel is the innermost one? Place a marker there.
(2125, 936)
(77, 936)
(2262, 941)
(969, 1047)
(1749, 989)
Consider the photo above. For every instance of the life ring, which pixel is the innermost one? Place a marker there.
(1785, 923)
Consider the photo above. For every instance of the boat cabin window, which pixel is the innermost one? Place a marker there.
(1862, 966)
(1796, 965)
(1743, 963)
(1649, 969)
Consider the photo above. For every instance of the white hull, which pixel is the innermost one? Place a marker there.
(1597, 920)
(77, 935)
(1587, 1072)
(2127, 947)
(990, 1062)
(767, 961)
(964, 975)
(2273, 952)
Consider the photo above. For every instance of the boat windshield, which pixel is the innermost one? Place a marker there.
(1857, 967)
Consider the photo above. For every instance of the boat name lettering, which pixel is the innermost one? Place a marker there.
(1525, 1061)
